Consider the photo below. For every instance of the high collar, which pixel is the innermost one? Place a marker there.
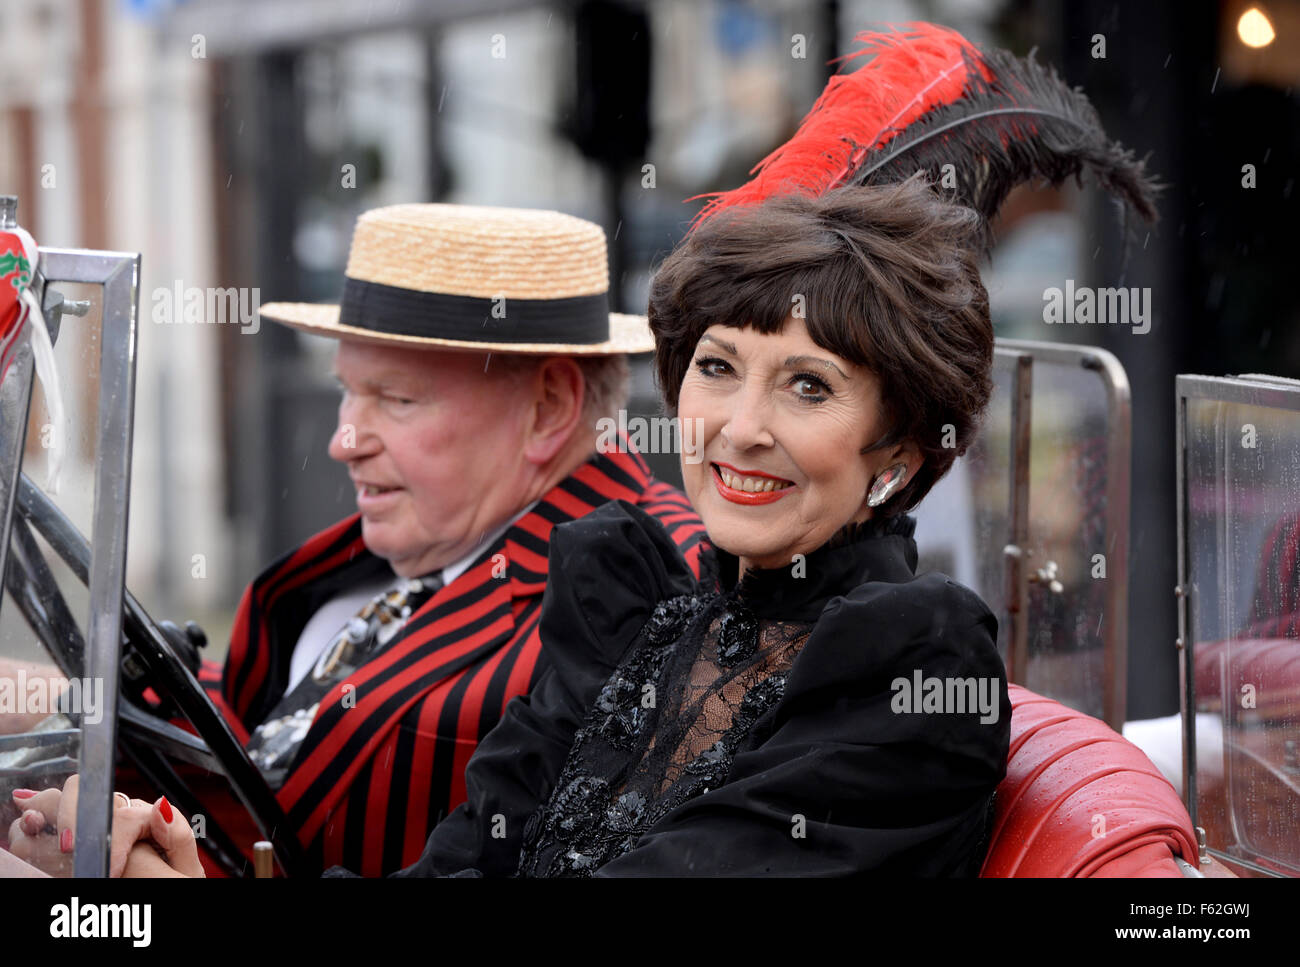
(881, 549)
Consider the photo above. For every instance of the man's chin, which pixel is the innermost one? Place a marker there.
(384, 540)
(378, 538)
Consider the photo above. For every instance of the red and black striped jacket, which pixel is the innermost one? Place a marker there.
(376, 772)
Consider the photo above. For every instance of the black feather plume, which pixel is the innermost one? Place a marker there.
(1015, 122)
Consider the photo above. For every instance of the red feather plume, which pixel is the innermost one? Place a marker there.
(914, 71)
(930, 98)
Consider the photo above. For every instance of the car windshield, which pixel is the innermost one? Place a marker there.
(1242, 492)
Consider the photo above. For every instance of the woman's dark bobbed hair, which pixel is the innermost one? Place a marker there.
(885, 276)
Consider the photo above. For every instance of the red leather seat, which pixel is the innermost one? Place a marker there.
(1081, 800)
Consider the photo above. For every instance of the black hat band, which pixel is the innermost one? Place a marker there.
(577, 320)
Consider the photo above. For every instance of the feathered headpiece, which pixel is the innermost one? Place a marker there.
(929, 98)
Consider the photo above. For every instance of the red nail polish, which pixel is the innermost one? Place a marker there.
(24, 793)
(165, 808)
(65, 841)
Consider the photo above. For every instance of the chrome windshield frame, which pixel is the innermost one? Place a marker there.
(1119, 420)
(119, 275)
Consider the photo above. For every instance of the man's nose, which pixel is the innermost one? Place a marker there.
(351, 440)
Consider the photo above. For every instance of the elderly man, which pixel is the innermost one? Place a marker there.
(476, 355)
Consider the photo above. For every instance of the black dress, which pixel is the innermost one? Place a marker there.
(767, 727)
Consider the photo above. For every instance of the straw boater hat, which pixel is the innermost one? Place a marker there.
(461, 277)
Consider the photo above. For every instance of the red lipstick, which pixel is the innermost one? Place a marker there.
(745, 496)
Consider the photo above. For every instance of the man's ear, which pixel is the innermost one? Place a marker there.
(554, 406)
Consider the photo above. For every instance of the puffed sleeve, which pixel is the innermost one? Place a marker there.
(848, 775)
(606, 572)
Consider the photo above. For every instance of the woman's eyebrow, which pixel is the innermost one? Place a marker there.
(728, 346)
(815, 361)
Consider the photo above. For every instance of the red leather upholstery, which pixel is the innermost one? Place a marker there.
(1081, 800)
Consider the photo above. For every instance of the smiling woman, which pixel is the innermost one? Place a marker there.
(881, 325)
(784, 424)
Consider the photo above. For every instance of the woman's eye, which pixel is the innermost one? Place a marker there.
(398, 400)
(811, 388)
(711, 366)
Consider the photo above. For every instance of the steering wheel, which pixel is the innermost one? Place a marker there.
(150, 659)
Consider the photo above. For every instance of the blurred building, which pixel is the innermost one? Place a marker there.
(106, 137)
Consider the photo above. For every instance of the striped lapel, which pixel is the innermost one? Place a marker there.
(260, 646)
(604, 477)
(465, 621)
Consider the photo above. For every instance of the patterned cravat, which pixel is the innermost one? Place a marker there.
(274, 744)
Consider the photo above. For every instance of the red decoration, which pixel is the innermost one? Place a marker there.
(17, 252)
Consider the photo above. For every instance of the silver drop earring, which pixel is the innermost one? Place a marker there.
(883, 487)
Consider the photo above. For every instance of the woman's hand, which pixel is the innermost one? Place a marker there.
(45, 834)
(169, 850)
(35, 837)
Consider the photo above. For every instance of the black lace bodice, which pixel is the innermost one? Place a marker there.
(701, 681)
